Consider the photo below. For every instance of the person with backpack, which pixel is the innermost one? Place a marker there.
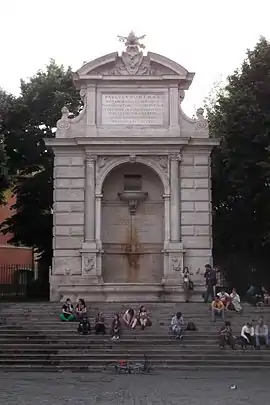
(210, 281)
(84, 327)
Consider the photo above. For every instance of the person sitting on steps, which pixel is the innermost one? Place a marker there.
(142, 318)
(100, 324)
(116, 327)
(177, 325)
(247, 335)
(217, 309)
(84, 327)
(129, 318)
(261, 334)
(225, 298)
(81, 310)
(226, 336)
(67, 311)
(235, 301)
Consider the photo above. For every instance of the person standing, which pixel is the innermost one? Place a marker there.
(210, 281)
(187, 284)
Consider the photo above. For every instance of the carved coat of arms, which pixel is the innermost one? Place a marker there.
(132, 58)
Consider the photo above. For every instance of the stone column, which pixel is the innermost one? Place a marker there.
(175, 197)
(167, 233)
(89, 201)
(98, 220)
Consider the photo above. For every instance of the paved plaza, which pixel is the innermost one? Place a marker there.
(172, 388)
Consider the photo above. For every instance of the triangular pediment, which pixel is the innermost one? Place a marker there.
(151, 64)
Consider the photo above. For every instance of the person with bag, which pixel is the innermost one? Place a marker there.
(84, 327)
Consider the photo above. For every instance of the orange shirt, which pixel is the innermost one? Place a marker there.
(217, 305)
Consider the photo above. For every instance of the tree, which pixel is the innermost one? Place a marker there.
(6, 101)
(31, 118)
(241, 164)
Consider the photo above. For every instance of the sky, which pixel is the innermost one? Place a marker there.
(208, 37)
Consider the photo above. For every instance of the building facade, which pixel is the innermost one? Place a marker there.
(132, 183)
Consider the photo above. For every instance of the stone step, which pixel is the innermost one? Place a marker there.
(160, 331)
(214, 350)
(234, 362)
(94, 338)
(167, 311)
(29, 341)
(108, 370)
(114, 357)
(121, 344)
(49, 308)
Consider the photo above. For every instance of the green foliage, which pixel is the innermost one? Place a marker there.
(6, 101)
(32, 117)
(241, 164)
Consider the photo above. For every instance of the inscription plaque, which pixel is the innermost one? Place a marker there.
(132, 109)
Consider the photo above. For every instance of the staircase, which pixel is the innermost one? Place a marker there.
(33, 338)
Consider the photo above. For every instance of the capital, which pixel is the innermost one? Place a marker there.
(90, 157)
(175, 156)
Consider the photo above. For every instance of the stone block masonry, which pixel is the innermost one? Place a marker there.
(68, 230)
(196, 209)
(132, 197)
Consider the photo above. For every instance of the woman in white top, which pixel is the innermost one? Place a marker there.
(235, 301)
(247, 335)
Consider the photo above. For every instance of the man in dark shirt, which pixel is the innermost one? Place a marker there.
(210, 281)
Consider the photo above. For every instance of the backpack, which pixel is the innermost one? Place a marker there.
(84, 327)
(191, 326)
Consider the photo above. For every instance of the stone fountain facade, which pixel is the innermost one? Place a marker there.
(132, 183)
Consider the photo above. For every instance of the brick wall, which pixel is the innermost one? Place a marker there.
(11, 254)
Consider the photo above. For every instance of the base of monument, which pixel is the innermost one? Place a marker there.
(125, 292)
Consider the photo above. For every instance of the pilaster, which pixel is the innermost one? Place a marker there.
(90, 252)
(174, 252)
(175, 197)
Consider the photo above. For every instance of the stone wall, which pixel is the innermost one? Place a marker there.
(68, 211)
(196, 211)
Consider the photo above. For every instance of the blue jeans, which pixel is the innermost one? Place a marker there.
(218, 312)
(264, 338)
(177, 330)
